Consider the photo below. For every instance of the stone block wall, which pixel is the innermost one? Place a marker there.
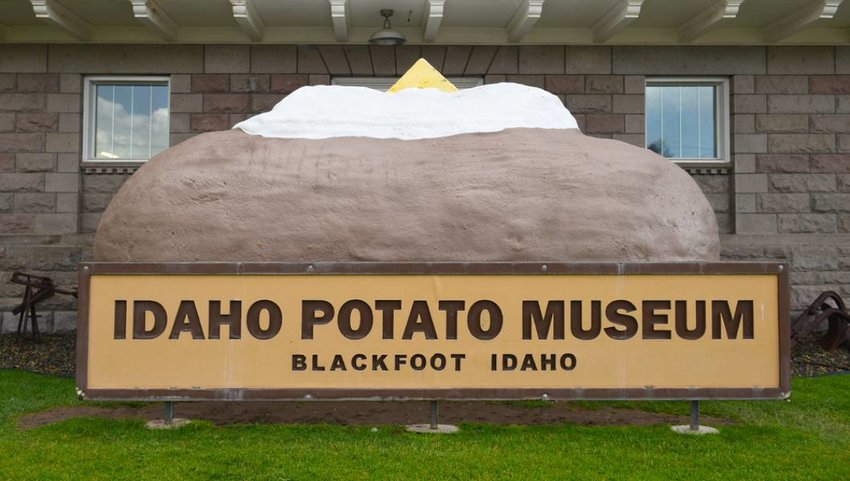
(786, 196)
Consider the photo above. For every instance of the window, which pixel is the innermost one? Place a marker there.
(384, 83)
(125, 118)
(687, 119)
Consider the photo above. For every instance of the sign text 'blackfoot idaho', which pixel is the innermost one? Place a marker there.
(660, 331)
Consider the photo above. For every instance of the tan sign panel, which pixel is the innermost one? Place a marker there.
(293, 331)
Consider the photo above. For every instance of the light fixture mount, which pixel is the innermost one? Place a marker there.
(386, 35)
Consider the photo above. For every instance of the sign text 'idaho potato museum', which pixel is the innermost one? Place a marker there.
(332, 331)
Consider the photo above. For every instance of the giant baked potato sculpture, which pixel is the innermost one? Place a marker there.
(494, 173)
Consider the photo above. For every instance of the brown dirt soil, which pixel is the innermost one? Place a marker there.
(369, 413)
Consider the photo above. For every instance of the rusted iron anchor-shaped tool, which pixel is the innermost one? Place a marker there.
(38, 289)
(828, 306)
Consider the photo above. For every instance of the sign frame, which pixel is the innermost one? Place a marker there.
(780, 270)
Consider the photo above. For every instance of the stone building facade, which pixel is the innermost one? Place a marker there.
(785, 194)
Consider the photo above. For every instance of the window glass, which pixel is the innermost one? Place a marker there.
(681, 120)
(130, 121)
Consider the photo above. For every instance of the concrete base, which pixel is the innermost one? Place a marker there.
(426, 428)
(160, 423)
(686, 429)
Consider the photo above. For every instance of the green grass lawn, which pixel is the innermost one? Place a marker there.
(807, 438)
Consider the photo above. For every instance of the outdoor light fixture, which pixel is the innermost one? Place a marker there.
(386, 35)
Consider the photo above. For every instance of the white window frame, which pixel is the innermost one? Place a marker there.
(384, 83)
(90, 110)
(722, 106)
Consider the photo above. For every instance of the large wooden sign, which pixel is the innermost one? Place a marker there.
(433, 331)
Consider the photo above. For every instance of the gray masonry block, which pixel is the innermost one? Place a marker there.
(842, 59)
(274, 58)
(755, 223)
(125, 59)
(604, 84)
(383, 61)
(21, 142)
(807, 223)
(70, 123)
(749, 104)
(11, 182)
(801, 104)
(67, 202)
(7, 201)
(822, 202)
(181, 83)
(719, 202)
(187, 103)
(634, 139)
(64, 182)
(635, 124)
(479, 60)
(744, 123)
(179, 123)
(95, 202)
(634, 84)
(15, 102)
(588, 60)
(743, 84)
(103, 183)
(843, 182)
(783, 163)
(227, 58)
(750, 143)
(7, 82)
(55, 223)
(650, 60)
(68, 103)
(829, 123)
(745, 203)
(407, 55)
(317, 79)
(334, 59)
(505, 61)
(530, 80)
(88, 222)
(543, 59)
(843, 104)
(35, 162)
(59, 142)
(782, 123)
(628, 104)
(713, 184)
(843, 143)
(800, 60)
(801, 143)
(781, 84)
(64, 321)
(359, 60)
(70, 83)
(802, 182)
(35, 202)
(773, 203)
(588, 104)
(750, 183)
(68, 163)
(23, 58)
(455, 62)
(7, 122)
(745, 163)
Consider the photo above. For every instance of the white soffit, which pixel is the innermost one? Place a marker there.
(477, 22)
